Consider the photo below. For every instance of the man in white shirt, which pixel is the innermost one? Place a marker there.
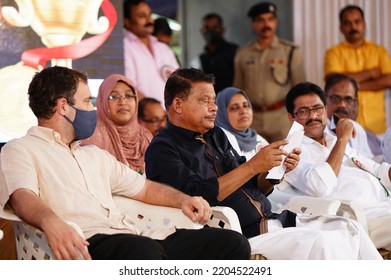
(342, 100)
(329, 167)
(148, 62)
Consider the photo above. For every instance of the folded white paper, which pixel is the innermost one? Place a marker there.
(295, 135)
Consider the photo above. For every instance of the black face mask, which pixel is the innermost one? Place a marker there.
(212, 37)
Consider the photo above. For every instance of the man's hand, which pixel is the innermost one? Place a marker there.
(197, 209)
(345, 130)
(65, 242)
(269, 156)
(374, 73)
(292, 160)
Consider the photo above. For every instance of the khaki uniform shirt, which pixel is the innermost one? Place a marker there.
(77, 183)
(265, 77)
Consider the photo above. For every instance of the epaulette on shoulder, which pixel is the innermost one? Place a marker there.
(247, 45)
(288, 43)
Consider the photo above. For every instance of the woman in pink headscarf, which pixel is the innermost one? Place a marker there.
(117, 130)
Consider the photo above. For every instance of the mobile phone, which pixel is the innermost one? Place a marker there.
(336, 119)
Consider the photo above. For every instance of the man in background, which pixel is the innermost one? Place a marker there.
(342, 101)
(148, 62)
(151, 115)
(266, 69)
(218, 55)
(162, 31)
(368, 63)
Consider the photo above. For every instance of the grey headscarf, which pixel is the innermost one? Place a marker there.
(247, 139)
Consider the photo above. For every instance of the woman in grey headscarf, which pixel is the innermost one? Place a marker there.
(235, 116)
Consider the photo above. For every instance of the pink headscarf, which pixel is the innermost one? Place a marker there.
(126, 142)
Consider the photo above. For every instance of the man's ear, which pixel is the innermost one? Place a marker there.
(222, 30)
(177, 105)
(61, 106)
(291, 118)
(127, 24)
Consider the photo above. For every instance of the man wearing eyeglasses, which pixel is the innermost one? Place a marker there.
(151, 115)
(342, 101)
(329, 167)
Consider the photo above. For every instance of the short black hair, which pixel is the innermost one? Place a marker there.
(337, 78)
(51, 84)
(180, 83)
(162, 26)
(127, 4)
(210, 16)
(350, 8)
(301, 89)
(143, 103)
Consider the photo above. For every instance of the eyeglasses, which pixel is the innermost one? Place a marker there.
(304, 113)
(156, 120)
(127, 97)
(336, 99)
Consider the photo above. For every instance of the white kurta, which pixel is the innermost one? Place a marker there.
(360, 142)
(314, 237)
(314, 177)
(386, 145)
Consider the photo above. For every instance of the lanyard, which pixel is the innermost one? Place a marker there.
(361, 166)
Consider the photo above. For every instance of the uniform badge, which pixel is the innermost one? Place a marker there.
(166, 71)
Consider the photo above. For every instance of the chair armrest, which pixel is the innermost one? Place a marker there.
(225, 217)
(312, 205)
(7, 214)
(31, 243)
(153, 216)
(353, 210)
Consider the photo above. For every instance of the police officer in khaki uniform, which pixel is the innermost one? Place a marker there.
(266, 69)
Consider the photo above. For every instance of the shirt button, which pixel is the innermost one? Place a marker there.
(217, 157)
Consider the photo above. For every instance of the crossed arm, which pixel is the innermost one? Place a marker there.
(371, 80)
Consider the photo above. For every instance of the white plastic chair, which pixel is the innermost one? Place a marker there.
(31, 243)
(285, 196)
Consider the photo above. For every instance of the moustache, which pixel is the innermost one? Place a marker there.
(312, 120)
(353, 31)
(341, 111)
(149, 24)
(267, 28)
